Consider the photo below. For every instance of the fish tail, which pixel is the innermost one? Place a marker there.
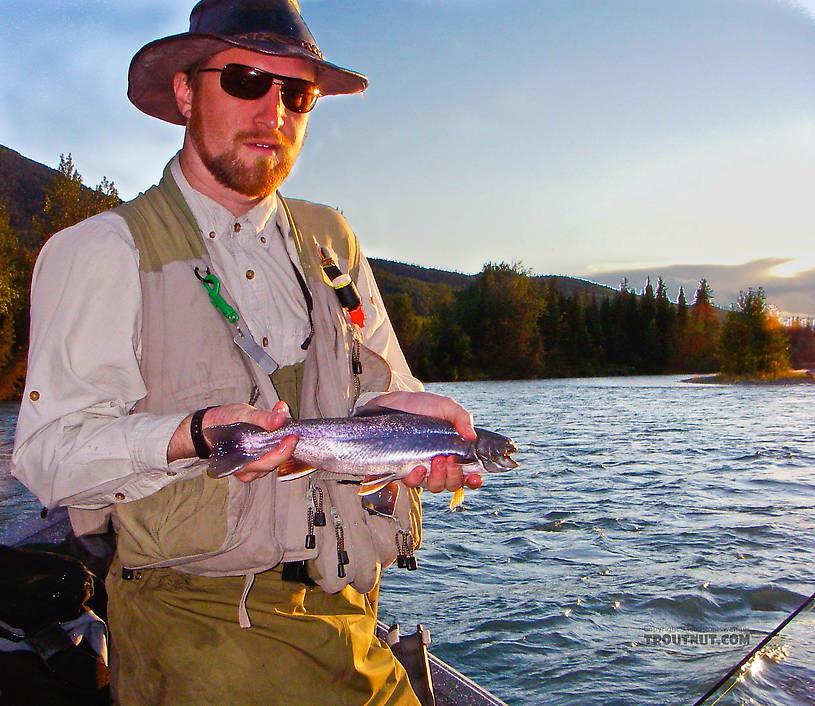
(457, 499)
(230, 452)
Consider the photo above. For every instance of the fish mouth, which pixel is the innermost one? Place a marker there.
(504, 462)
(507, 462)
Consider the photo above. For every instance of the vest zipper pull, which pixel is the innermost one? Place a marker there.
(319, 515)
(405, 546)
(311, 540)
(412, 564)
(342, 555)
(401, 561)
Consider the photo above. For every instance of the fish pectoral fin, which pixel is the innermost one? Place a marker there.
(457, 499)
(373, 484)
(383, 502)
(291, 469)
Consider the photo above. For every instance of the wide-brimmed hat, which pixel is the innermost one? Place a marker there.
(267, 26)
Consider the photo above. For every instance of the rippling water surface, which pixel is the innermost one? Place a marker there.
(642, 507)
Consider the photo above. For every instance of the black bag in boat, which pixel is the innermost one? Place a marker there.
(39, 588)
(40, 663)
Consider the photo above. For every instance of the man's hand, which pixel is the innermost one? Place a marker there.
(445, 472)
(181, 444)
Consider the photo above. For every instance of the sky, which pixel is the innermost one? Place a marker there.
(592, 138)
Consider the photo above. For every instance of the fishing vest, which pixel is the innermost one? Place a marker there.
(223, 527)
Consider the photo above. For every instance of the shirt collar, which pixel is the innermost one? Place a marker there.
(209, 214)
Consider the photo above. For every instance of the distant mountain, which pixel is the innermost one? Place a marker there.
(430, 275)
(422, 284)
(23, 183)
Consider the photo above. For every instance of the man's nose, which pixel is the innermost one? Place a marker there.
(271, 110)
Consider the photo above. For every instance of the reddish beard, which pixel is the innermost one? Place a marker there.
(259, 178)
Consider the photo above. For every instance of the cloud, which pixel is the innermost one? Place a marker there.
(807, 6)
(790, 294)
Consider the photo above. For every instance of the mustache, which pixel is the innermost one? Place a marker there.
(265, 137)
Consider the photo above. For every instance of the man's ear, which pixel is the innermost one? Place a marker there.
(183, 94)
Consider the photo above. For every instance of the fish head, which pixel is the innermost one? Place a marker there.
(494, 451)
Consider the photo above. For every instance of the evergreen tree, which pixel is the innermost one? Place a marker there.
(9, 275)
(630, 326)
(405, 324)
(751, 341)
(15, 268)
(596, 358)
(665, 319)
(648, 335)
(703, 299)
(678, 347)
(500, 311)
(699, 340)
(449, 354)
(550, 326)
(67, 201)
(800, 336)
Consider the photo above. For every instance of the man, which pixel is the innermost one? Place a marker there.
(212, 293)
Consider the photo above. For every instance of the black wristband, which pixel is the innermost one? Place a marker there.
(196, 433)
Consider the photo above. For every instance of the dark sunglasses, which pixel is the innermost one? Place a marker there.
(249, 84)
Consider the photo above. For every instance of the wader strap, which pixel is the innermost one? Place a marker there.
(243, 614)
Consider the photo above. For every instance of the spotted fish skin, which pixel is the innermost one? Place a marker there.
(380, 446)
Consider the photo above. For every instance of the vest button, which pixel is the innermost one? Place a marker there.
(265, 341)
(212, 234)
(263, 239)
(237, 227)
(250, 274)
(33, 395)
(119, 496)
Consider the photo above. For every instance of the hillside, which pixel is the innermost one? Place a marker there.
(23, 183)
(423, 284)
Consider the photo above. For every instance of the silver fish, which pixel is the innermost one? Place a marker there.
(378, 446)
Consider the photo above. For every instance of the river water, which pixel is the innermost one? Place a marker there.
(653, 535)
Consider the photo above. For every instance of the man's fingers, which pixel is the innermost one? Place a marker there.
(231, 413)
(266, 464)
(473, 481)
(432, 405)
(445, 474)
(463, 422)
(415, 477)
(248, 476)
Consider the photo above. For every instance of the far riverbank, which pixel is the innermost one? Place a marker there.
(794, 377)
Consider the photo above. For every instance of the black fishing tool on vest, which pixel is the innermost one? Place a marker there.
(343, 286)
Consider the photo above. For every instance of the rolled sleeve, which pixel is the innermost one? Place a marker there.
(76, 442)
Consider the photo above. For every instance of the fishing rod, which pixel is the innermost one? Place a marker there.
(753, 652)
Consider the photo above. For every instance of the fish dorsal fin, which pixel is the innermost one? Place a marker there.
(292, 468)
(375, 410)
